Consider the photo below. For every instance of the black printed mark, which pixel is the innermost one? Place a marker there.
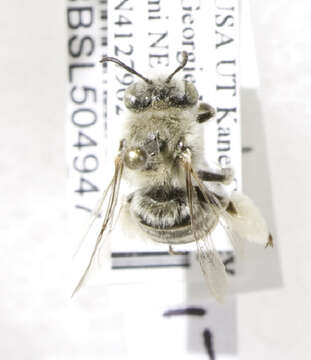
(103, 24)
(127, 267)
(209, 343)
(143, 260)
(208, 337)
(186, 311)
(247, 149)
(141, 254)
(103, 14)
(228, 261)
(85, 186)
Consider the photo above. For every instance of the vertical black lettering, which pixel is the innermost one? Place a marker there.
(80, 17)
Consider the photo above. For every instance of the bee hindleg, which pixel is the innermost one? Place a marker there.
(269, 241)
(206, 112)
(231, 209)
(173, 252)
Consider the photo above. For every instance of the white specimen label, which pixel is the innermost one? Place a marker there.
(150, 37)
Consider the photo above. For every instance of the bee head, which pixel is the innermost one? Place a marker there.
(158, 94)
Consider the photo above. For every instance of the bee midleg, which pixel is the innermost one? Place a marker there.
(206, 112)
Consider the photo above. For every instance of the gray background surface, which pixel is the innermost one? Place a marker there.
(272, 324)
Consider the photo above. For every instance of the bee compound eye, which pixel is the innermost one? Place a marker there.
(191, 93)
(137, 104)
(188, 98)
(137, 97)
(135, 158)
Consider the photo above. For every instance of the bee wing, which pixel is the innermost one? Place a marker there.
(228, 222)
(212, 267)
(210, 262)
(113, 190)
(243, 223)
(95, 215)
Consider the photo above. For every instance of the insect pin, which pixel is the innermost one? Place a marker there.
(177, 198)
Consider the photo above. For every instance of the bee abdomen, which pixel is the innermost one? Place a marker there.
(163, 213)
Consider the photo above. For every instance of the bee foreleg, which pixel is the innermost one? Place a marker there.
(206, 112)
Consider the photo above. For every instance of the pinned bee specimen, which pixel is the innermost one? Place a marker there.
(177, 199)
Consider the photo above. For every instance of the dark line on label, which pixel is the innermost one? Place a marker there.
(208, 343)
(228, 261)
(103, 14)
(186, 311)
(128, 267)
(247, 149)
(141, 254)
(230, 271)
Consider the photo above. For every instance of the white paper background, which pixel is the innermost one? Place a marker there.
(34, 322)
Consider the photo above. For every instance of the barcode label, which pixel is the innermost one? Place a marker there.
(86, 130)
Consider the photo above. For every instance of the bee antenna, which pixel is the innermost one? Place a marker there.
(181, 66)
(127, 68)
